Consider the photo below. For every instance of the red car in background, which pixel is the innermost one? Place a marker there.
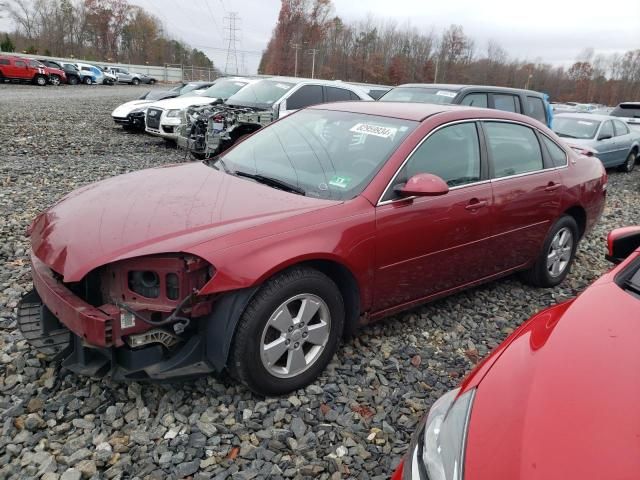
(22, 69)
(260, 260)
(557, 400)
(56, 76)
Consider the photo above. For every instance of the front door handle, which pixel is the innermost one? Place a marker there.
(552, 187)
(475, 204)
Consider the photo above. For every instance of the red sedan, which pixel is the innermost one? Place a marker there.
(556, 400)
(261, 260)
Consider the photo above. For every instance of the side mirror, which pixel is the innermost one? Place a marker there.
(622, 242)
(423, 185)
(605, 136)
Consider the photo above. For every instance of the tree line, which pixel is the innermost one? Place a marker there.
(382, 52)
(103, 30)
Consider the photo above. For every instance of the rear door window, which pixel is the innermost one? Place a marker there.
(475, 100)
(4, 61)
(557, 154)
(20, 63)
(536, 109)
(620, 128)
(304, 97)
(513, 149)
(506, 103)
(335, 94)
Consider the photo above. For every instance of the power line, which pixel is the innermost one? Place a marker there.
(213, 18)
(233, 20)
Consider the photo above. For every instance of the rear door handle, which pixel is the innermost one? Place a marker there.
(552, 187)
(476, 204)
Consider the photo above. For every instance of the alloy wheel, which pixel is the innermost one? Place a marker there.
(295, 335)
(559, 254)
(630, 163)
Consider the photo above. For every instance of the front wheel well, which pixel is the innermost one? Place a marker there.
(347, 285)
(580, 216)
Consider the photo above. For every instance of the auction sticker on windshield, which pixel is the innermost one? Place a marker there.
(582, 122)
(378, 131)
(283, 86)
(445, 93)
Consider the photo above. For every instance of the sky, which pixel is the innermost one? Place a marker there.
(555, 31)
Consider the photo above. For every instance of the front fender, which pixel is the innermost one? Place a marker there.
(346, 241)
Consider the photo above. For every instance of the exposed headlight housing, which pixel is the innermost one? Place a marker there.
(438, 446)
(173, 113)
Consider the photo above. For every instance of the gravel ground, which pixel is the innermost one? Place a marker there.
(354, 422)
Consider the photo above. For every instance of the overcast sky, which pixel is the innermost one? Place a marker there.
(555, 31)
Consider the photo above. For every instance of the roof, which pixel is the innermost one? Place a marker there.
(402, 110)
(458, 87)
(584, 116)
(319, 81)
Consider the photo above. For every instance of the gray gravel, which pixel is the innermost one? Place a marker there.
(354, 422)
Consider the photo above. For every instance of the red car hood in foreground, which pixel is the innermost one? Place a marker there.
(562, 400)
(155, 211)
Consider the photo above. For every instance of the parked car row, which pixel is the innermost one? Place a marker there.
(43, 72)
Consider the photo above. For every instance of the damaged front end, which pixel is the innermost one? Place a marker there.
(141, 318)
(209, 130)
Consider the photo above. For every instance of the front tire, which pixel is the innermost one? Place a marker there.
(87, 81)
(152, 82)
(73, 80)
(629, 164)
(55, 80)
(557, 255)
(135, 82)
(288, 333)
(40, 80)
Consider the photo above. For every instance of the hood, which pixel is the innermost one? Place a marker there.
(160, 210)
(183, 101)
(126, 108)
(561, 401)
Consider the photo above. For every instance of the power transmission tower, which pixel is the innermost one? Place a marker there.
(232, 28)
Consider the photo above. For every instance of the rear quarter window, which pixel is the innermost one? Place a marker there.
(557, 154)
(536, 109)
(626, 111)
(4, 61)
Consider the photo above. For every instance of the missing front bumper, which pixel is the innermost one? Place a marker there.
(44, 332)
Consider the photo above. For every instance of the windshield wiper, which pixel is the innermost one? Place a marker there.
(272, 182)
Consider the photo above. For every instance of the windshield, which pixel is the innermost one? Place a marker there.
(262, 94)
(575, 127)
(223, 89)
(419, 94)
(325, 154)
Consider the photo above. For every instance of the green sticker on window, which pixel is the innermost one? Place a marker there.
(340, 182)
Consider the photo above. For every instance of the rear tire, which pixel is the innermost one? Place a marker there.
(152, 82)
(87, 80)
(557, 255)
(629, 164)
(135, 82)
(288, 333)
(73, 80)
(55, 80)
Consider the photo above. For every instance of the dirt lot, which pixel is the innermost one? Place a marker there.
(56, 139)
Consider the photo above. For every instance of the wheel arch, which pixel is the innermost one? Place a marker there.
(579, 214)
(221, 324)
